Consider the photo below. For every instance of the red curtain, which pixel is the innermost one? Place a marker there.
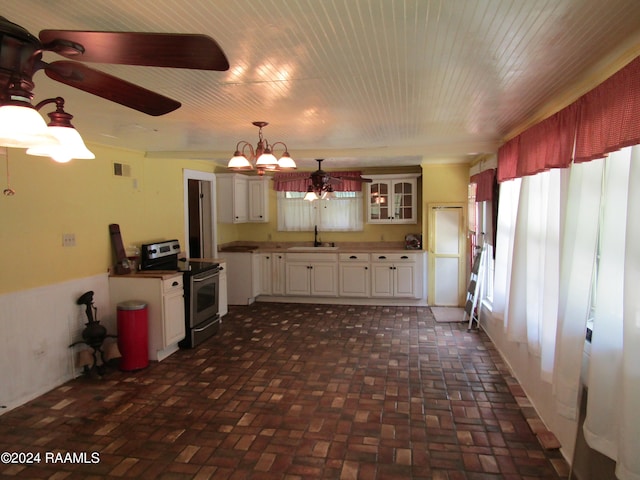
(610, 115)
(508, 159)
(548, 144)
(604, 120)
(299, 181)
(484, 181)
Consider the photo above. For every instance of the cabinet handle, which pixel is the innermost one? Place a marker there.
(404, 257)
(175, 284)
(382, 257)
(353, 257)
(366, 268)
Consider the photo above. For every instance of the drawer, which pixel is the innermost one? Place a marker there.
(312, 257)
(173, 283)
(394, 257)
(354, 257)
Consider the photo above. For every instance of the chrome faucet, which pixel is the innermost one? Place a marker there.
(316, 243)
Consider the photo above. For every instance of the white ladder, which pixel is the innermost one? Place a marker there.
(473, 291)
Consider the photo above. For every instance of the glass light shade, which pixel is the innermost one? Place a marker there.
(310, 196)
(70, 146)
(267, 160)
(327, 195)
(24, 127)
(286, 161)
(239, 162)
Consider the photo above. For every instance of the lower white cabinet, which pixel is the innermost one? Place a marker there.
(164, 297)
(325, 274)
(272, 273)
(395, 275)
(243, 276)
(314, 274)
(355, 275)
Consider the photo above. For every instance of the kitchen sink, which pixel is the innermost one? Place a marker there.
(311, 249)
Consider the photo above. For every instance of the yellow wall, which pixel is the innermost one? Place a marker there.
(83, 197)
(443, 183)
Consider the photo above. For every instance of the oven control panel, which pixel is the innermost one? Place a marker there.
(152, 251)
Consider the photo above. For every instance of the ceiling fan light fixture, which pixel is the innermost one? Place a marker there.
(21, 126)
(310, 196)
(70, 144)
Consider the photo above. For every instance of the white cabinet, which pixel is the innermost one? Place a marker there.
(392, 198)
(258, 191)
(272, 273)
(243, 279)
(223, 304)
(164, 297)
(242, 199)
(355, 275)
(396, 275)
(314, 274)
(232, 198)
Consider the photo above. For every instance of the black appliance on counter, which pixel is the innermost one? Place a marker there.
(201, 288)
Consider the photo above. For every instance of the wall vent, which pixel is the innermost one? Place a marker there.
(121, 170)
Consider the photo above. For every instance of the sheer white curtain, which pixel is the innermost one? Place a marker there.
(342, 213)
(612, 425)
(531, 309)
(579, 241)
(505, 235)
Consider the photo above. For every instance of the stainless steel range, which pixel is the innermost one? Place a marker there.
(201, 288)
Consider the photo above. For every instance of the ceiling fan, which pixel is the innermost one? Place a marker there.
(21, 57)
(322, 181)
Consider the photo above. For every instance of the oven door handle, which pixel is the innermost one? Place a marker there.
(196, 280)
(209, 325)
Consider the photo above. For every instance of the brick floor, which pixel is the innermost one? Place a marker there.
(296, 392)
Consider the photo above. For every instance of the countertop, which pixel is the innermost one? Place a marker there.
(346, 247)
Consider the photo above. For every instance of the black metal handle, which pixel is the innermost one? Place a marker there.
(382, 257)
(404, 257)
(353, 257)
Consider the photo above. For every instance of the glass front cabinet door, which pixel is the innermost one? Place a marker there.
(392, 199)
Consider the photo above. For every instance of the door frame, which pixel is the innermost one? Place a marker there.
(211, 178)
(462, 236)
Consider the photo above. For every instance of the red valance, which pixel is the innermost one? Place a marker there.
(604, 120)
(548, 144)
(484, 181)
(610, 115)
(508, 159)
(299, 181)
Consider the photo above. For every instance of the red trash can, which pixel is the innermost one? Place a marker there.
(133, 335)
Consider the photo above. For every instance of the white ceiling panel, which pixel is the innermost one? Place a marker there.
(371, 82)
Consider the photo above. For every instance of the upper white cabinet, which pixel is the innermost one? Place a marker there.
(233, 198)
(392, 198)
(242, 198)
(258, 199)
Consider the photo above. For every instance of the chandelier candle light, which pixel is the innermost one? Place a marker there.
(262, 156)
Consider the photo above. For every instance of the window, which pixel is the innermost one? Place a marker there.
(481, 232)
(343, 213)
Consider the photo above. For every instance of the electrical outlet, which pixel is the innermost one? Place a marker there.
(68, 239)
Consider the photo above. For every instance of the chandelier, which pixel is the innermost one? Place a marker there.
(261, 158)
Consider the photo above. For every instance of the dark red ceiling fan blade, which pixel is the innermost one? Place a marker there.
(112, 88)
(176, 50)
